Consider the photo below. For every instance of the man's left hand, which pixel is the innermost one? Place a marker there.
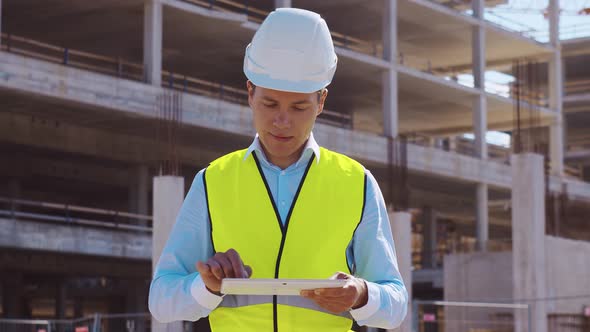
(353, 295)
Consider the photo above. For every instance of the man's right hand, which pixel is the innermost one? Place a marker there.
(222, 265)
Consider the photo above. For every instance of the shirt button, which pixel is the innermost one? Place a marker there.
(283, 173)
(282, 202)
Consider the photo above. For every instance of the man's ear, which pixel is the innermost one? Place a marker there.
(251, 91)
(323, 96)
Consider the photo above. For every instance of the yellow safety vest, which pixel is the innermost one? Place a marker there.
(312, 244)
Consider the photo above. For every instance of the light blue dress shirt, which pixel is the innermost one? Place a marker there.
(177, 292)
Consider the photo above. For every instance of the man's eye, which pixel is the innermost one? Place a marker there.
(269, 105)
(300, 108)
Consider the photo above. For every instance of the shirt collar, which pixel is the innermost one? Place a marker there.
(311, 144)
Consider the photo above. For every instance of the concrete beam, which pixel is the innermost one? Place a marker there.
(87, 89)
(65, 238)
(152, 41)
(25, 166)
(528, 238)
(61, 263)
(19, 129)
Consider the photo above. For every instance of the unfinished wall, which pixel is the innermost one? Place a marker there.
(568, 274)
(477, 277)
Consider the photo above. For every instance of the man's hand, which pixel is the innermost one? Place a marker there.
(222, 265)
(352, 296)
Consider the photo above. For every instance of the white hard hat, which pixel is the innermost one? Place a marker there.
(291, 51)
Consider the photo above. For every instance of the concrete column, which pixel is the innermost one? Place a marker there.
(429, 238)
(142, 190)
(132, 197)
(0, 20)
(389, 79)
(135, 300)
(138, 192)
(480, 120)
(481, 215)
(479, 68)
(528, 235)
(282, 3)
(12, 299)
(78, 307)
(452, 143)
(401, 227)
(152, 42)
(586, 173)
(168, 195)
(556, 130)
(60, 299)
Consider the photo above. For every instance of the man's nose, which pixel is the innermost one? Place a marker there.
(282, 120)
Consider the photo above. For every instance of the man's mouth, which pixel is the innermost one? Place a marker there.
(281, 138)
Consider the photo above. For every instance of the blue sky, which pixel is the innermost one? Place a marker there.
(527, 16)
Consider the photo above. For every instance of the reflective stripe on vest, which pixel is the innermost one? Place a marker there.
(312, 244)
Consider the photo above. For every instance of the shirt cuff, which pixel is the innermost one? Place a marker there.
(372, 306)
(203, 296)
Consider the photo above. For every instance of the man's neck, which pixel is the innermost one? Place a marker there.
(284, 162)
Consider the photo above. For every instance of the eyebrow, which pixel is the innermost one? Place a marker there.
(294, 103)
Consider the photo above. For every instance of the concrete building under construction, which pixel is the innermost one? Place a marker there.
(109, 108)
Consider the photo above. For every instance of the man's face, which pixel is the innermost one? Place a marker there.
(284, 121)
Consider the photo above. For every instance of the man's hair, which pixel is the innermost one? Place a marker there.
(319, 92)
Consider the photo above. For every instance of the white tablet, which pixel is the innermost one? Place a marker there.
(243, 286)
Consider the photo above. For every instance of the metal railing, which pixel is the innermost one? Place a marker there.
(133, 71)
(71, 57)
(568, 323)
(73, 214)
(460, 145)
(422, 259)
(461, 6)
(258, 15)
(85, 324)
(140, 322)
(439, 316)
(127, 322)
(574, 87)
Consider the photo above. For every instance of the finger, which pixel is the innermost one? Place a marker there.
(226, 265)
(237, 264)
(205, 270)
(248, 270)
(216, 269)
(202, 268)
(340, 275)
(333, 292)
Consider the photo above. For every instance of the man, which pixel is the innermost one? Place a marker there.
(283, 208)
